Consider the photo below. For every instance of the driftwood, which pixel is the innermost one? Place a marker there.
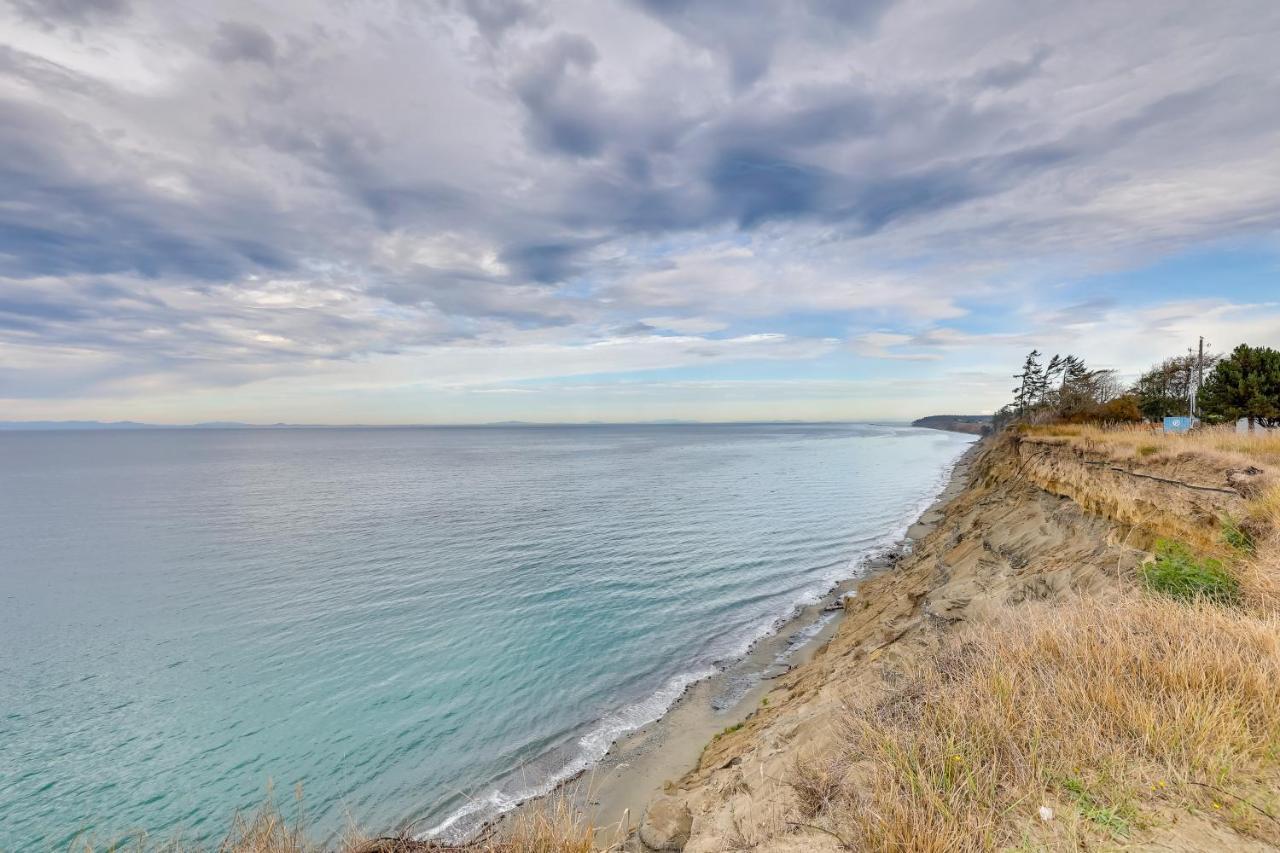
(1182, 483)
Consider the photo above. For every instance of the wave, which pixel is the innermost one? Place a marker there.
(592, 746)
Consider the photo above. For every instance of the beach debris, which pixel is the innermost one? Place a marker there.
(666, 824)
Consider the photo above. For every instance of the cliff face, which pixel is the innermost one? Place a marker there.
(1040, 522)
(972, 424)
(1184, 496)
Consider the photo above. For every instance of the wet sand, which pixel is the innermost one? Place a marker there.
(638, 766)
(614, 793)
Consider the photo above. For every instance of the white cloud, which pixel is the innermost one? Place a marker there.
(227, 196)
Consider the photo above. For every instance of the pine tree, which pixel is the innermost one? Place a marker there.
(1030, 383)
(1074, 373)
(1245, 384)
(1051, 373)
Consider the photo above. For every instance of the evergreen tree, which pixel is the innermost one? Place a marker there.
(1165, 389)
(1030, 383)
(1051, 373)
(1076, 394)
(1245, 384)
(1074, 373)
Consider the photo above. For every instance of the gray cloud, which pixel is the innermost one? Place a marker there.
(239, 42)
(369, 178)
(748, 32)
(72, 207)
(562, 103)
(51, 13)
(494, 18)
(1010, 73)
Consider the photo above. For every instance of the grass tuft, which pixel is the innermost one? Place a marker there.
(1237, 538)
(1178, 573)
(553, 826)
(1114, 819)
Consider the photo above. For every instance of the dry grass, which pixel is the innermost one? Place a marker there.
(553, 827)
(1223, 443)
(1219, 447)
(1114, 717)
(1112, 714)
(818, 782)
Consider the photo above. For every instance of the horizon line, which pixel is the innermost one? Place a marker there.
(87, 425)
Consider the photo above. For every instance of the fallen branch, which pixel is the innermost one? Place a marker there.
(845, 844)
(1259, 809)
(1182, 483)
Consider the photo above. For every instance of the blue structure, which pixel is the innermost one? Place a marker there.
(1177, 424)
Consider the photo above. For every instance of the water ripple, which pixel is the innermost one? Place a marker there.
(415, 624)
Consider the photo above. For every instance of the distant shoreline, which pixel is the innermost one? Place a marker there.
(135, 426)
(969, 424)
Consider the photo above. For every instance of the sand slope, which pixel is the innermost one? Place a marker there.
(1033, 523)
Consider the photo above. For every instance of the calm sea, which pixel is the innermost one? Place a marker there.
(412, 624)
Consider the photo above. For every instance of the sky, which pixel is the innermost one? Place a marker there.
(459, 211)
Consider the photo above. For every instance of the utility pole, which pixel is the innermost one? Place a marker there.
(1195, 386)
(1200, 365)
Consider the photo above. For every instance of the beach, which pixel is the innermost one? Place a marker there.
(639, 766)
(953, 704)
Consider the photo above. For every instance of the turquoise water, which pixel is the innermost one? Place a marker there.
(414, 624)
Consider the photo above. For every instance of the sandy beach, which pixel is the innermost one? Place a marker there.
(638, 766)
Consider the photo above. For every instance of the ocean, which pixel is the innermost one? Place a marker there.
(410, 625)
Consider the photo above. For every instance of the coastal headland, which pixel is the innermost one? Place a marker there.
(935, 712)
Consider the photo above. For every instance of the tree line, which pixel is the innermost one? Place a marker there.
(1244, 383)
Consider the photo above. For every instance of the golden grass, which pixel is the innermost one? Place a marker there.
(1114, 715)
(1220, 448)
(1223, 442)
(553, 826)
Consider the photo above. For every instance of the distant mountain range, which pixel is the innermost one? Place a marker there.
(975, 424)
(127, 425)
(972, 424)
(15, 425)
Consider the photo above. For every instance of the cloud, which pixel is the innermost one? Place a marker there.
(749, 37)
(1011, 72)
(237, 42)
(882, 344)
(494, 18)
(51, 13)
(296, 188)
(561, 100)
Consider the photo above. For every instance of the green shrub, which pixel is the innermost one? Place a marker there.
(728, 731)
(1233, 535)
(1148, 450)
(1178, 573)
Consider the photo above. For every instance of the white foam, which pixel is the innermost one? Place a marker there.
(595, 743)
(592, 746)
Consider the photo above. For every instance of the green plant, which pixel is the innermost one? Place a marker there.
(1148, 450)
(1178, 573)
(1245, 384)
(1113, 818)
(1239, 539)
